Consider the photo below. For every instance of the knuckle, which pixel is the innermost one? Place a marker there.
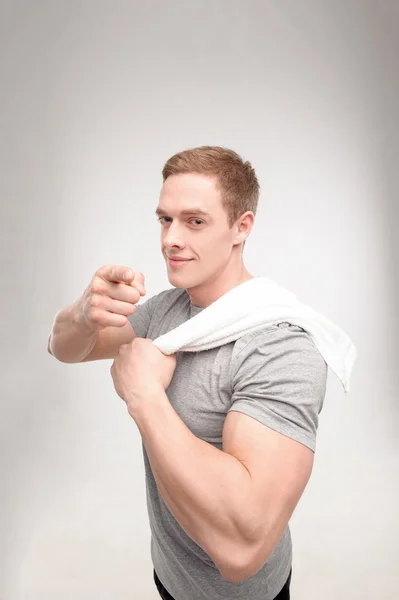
(102, 269)
(95, 301)
(97, 287)
(95, 315)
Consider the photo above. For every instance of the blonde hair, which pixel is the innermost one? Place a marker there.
(236, 179)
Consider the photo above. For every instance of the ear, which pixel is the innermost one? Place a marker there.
(244, 226)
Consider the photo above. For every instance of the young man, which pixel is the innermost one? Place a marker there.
(228, 433)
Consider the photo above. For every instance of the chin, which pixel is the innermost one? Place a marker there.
(176, 280)
(181, 281)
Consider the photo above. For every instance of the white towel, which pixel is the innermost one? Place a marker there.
(251, 306)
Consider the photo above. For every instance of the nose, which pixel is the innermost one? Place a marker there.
(172, 237)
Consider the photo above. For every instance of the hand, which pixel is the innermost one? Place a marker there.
(141, 373)
(110, 297)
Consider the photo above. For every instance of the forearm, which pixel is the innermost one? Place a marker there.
(71, 339)
(206, 489)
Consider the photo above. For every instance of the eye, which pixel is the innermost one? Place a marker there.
(197, 222)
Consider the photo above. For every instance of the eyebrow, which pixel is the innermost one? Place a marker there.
(189, 211)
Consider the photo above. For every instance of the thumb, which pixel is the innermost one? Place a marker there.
(128, 275)
(138, 282)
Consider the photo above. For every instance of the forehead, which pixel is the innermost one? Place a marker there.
(190, 190)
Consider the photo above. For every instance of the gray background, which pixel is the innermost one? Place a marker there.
(95, 96)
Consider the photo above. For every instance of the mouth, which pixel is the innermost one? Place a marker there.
(178, 262)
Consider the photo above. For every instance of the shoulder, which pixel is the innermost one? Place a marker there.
(267, 340)
(281, 352)
(279, 378)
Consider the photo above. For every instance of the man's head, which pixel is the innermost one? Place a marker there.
(221, 192)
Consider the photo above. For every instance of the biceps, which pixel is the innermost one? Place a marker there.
(279, 466)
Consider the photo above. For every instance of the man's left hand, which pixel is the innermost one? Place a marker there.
(141, 372)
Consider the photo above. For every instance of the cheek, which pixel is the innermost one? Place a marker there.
(214, 252)
(222, 242)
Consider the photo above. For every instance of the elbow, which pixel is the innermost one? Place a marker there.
(242, 565)
(53, 355)
(49, 350)
(235, 576)
(58, 357)
(237, 573)
(241, 557)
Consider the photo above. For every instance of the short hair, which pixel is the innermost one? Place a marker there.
(235, 178)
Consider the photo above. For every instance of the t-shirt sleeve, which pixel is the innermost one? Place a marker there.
(141, 318)
(279, 378)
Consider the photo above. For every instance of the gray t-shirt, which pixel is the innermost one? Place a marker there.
(276, 376)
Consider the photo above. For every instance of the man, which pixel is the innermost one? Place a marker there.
(228, 433)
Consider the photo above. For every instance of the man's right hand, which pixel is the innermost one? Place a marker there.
(111, 297)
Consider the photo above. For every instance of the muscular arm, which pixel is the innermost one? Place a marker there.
(235, 502)
(71, 341)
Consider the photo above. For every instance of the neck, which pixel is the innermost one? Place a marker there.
(209, 291)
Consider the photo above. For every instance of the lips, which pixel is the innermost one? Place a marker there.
(176, 258)
(177, 262)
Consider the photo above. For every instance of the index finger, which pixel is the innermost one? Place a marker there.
(116, 273)
(138, 282)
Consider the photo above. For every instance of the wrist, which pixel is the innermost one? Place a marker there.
(141, 408)
(79, 320)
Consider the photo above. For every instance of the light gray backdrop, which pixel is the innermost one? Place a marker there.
(95, 97)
